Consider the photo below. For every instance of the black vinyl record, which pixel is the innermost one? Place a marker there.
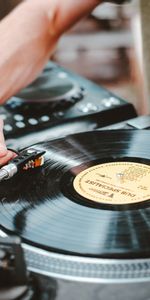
(49, 209)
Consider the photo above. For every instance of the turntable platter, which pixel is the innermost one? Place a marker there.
(75, 203)
(51, 85)
(67, 232)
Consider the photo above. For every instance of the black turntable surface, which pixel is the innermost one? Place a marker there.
(91, 197)
(51, 85)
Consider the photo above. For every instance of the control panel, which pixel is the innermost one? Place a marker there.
(67, 100)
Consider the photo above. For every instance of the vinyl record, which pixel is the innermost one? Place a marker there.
(91, 197)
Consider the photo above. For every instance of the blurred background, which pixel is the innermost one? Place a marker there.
(106, 47)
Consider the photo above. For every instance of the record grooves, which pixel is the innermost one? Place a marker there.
(48, 209)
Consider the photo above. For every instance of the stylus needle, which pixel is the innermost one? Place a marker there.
(27, 159)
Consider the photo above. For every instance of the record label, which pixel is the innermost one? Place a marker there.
(114, 183)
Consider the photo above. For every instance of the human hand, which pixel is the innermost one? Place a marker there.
(5, 155)
(28, 36)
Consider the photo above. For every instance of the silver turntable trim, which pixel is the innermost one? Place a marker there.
(85, 269)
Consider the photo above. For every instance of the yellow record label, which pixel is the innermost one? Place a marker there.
(114, 183)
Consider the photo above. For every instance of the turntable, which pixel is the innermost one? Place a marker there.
(59, 103)
(84, 215)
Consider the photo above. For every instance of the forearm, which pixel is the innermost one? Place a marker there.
(62, 14)
(68, 12)
(25, 45)
(28, 36)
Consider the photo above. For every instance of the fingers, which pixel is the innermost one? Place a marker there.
(5, 159)
(3, 149)
(5, 155)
